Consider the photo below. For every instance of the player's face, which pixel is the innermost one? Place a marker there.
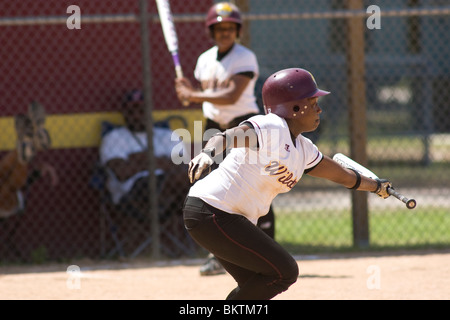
(134, 114)
(309, 117)
(225, 34)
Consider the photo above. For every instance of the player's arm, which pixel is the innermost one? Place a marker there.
(135, 163)
(243, 136)
(124, 169)
(224, 96)
(331, 170)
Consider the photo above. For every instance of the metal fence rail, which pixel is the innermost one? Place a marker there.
(130, 17)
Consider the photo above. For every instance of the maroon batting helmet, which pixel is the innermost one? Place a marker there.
(223, 12)
(283, 91)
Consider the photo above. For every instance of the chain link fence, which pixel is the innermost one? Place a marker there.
(79, 59)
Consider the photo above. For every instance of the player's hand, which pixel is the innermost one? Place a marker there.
(199, 165)
(382, 189)
(184, 89)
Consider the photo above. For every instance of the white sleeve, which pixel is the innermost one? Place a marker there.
(258, 124)
(314, 156)
(113, 146)
(247, 62)
(200, 67)
(197, 71)
(163, 143)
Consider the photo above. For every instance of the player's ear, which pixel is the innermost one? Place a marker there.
(211, 31)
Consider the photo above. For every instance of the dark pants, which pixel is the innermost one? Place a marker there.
(261, 267)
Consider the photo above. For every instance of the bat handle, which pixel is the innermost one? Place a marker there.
(410, 203)
(180, 75)
(179, 72)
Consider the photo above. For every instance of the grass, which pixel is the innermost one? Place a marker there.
(405, 148)
(329, 231)
(423, 227)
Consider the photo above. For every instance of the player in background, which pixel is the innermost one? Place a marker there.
(124, 154)
(21, 167)
(269, 156)
(227, 74)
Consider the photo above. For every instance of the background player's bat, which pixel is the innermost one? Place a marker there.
(170, 35)
(346, 162)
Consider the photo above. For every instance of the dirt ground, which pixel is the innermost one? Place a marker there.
(411, 275)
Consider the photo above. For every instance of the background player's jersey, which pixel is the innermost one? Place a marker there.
(214, 75)
(247, 181)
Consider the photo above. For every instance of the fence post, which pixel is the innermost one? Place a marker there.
(146, 74)
(357, 117)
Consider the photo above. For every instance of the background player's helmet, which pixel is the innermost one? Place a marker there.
(283, 91)
(223, 12)
(133, 96)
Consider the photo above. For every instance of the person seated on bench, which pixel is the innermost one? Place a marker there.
(123, 152)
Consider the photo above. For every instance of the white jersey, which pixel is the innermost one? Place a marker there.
(247, 181)
(121, 143)
(214, 74)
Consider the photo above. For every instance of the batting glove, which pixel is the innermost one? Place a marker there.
(382, 189)
(200, 165)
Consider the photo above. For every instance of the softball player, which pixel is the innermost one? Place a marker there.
(227, 74)
(21, 167)
(269, 156)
